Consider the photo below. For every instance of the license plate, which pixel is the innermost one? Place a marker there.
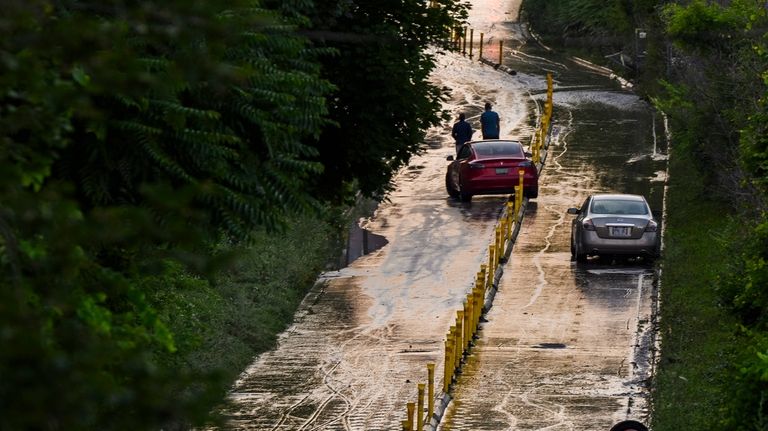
(502, 171)
(621, 231)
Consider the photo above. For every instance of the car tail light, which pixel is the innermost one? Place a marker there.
(476, 165)
(588, 225)
(652, 226)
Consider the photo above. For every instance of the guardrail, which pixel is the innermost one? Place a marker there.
(460, 336)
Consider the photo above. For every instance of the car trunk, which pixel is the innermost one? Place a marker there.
(619, 227)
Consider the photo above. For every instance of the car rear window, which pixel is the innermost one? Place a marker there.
(501, 148)
(619, 206)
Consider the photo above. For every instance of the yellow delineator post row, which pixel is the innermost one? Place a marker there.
(420, 408)
(461, 42)
(459, 338)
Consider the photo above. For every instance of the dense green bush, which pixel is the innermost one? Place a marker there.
(710, 61)
(135, 139)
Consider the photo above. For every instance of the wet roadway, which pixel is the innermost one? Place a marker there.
(566, 346)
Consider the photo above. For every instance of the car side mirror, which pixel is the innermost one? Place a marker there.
(573, 211)
(528, 154)
(449, 158)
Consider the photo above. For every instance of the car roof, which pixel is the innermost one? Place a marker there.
(617, 196)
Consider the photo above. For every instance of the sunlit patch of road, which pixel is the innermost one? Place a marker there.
(361, 339)
(568, 346)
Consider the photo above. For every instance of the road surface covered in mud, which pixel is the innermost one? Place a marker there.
(564, 344)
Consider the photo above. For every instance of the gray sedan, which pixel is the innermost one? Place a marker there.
(614, 224)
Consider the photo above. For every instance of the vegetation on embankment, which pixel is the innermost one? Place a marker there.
(169, 173)
(706, 67)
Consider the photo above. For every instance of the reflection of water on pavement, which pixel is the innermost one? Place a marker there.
(363, 336)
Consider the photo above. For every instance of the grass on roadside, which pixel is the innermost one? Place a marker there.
(694, 380)
(219, 326)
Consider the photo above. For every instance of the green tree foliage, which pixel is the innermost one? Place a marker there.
(718, 106)
(135, 136)
(714, 64)
(384, 101)
(582, 18)
(134, 133)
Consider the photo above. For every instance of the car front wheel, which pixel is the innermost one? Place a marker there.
(449, 187)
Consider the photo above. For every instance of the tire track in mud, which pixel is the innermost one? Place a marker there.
(363, 337)
(559, 136)
(559, 350)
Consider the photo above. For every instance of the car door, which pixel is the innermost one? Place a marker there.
(461, 165)
(578, 223)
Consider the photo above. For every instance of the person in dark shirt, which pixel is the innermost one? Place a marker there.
(489, 121)
(462, 132)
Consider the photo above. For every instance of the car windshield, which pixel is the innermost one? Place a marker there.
(618, 206)
(500, 148)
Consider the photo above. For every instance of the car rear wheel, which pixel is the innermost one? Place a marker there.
(575, 255)
(573, 252)
(465, 197)
(449, 187)
(531, 192)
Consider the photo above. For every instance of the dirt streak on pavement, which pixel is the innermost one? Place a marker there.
(567, 346)
(363, 337)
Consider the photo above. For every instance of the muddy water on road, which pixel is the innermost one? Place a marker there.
(362, 339)
(559, 343)
(567, 346)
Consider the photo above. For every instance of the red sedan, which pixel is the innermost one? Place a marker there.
(490, 167)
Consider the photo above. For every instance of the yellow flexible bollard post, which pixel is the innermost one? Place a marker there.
(420, 408)
(456, 350)
(448, 373)
(484, 280)
(549, 83)
(459, 343)
(410, 407)
(491, 267)
(480, 52)
(471, 40)
(517, 203)
(430, 391)
(500, 242)
(479, 296)
(471, 317)
(460, 332)
(468, 312)
(502, 235)
(501, 49)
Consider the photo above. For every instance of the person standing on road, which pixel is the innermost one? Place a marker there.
(461, 132)
(489, 121)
